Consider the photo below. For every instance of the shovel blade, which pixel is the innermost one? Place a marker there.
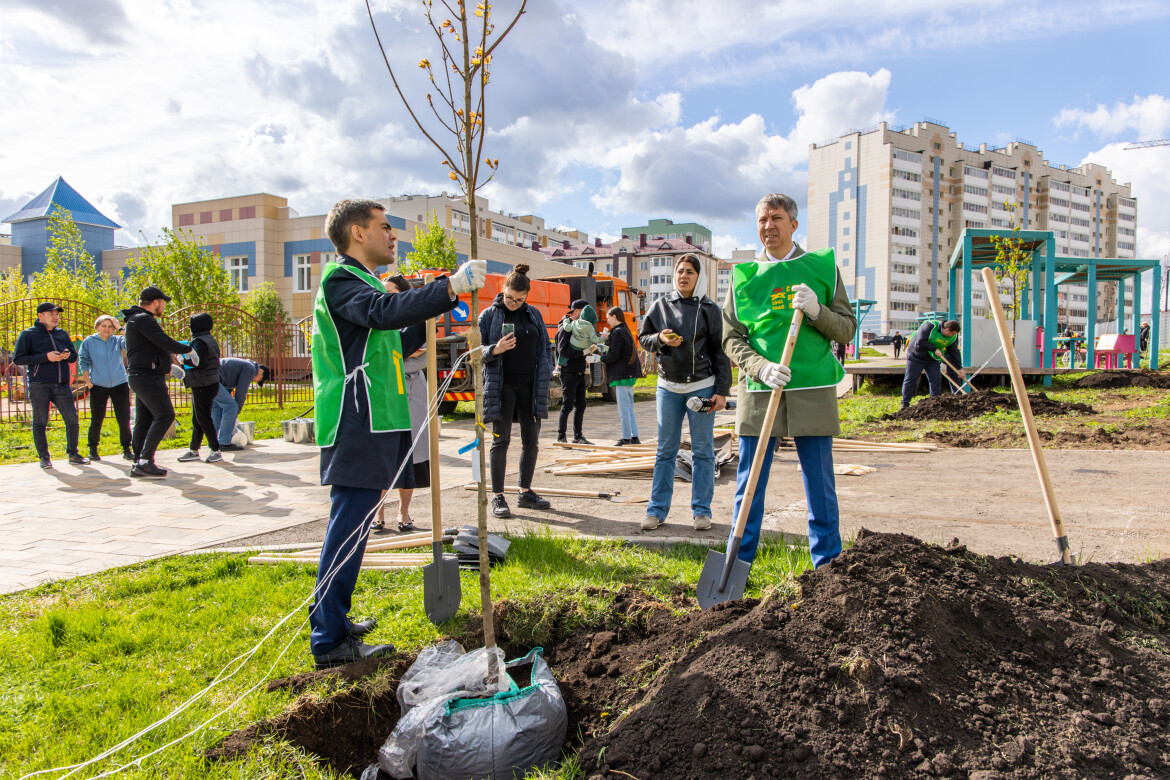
(441, 589)
(708, 591)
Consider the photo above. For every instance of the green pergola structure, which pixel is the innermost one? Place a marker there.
(976, 250)
(861, 308)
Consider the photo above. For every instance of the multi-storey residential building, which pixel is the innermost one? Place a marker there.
(692, 232)
(644, 262)
(523, 230)
(894, 201)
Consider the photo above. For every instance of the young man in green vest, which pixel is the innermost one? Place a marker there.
(362, 421)
(756, 314)
(931, 343)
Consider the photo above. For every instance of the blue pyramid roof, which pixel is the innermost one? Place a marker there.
(60, 194)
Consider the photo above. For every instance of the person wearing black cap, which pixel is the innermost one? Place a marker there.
(44, 348)
(573, 366)
(148, 353)
(236, 376)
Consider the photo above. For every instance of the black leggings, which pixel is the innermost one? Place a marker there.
(153, 413)
(572, 401)
(515, 400)
(119, 396)
(201, 424)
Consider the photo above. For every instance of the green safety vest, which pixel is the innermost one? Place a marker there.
(939, 342)
(380, 370)
(763, 303)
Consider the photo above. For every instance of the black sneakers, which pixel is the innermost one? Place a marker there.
(93, 454)
(500, 507)
(148, 470)
(349, 651)
(127, 454)
(77, 459)
(562, 439)
(635, 440)
(362, 627)
(579, 439)
(529, 500)
(46, 463)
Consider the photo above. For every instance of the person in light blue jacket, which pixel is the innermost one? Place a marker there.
(101, 361)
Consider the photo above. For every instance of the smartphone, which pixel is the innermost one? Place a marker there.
(509, 329)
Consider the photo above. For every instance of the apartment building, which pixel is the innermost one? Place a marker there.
(523, 230)
(893, 202)
(695, 234)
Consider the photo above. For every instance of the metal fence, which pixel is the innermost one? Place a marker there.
(281, 345)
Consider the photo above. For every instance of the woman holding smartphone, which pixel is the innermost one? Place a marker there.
(516, 372)
(684, 330)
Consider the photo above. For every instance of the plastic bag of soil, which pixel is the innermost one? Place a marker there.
(453, 724)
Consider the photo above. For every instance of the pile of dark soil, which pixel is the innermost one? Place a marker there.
(900, 659)
(1101, 380)
(963, 407)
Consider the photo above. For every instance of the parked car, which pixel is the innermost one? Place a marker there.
(875, 340)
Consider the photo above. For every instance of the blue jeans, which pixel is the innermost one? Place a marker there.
(625, 402)
(672, 407)
(820, 491)
(349, 520)
(60, 395)
(224, 414)
(914, 368)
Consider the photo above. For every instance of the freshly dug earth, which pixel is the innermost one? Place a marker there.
(900, 659)
(1108, 379)
(964, 407)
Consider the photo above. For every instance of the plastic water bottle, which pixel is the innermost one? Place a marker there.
(697, 404)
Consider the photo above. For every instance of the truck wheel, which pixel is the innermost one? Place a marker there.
(447, 407)
(607, 393)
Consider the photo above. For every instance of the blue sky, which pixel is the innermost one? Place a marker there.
(603, 113)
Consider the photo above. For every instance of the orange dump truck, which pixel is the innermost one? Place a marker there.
(551, 296)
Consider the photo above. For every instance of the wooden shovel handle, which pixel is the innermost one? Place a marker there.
(433, 428)
(766, 431)
(1026, 412)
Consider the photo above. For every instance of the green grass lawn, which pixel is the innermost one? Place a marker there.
(88, 662)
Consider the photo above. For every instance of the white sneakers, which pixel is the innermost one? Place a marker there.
(188, 456)
(650, 522)
(702, 522)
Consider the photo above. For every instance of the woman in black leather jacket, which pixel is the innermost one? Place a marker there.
(684, 330)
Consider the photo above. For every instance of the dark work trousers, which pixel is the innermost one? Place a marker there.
(350, 512)
(897, 349)
(119, 396)
(201, 424)
(514, 400)
(572, 400)
(914, 368)
(60, 395)
(153, 414)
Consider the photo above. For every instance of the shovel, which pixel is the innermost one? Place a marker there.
(616, 498)
(1029, 421)
(441, 589)
(725, 576)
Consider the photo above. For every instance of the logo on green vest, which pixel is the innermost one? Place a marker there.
(781, 299)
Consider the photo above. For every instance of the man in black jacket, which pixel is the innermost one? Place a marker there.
(572, 377)
(47, 351)
(148, 352)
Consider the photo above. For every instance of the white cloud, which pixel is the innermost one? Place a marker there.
(1149, 116)
(1148, 170)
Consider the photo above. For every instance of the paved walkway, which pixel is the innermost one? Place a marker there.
(74, 520)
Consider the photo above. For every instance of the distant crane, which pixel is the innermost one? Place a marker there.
(1148, 144)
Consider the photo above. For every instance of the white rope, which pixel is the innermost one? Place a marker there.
(324, 581)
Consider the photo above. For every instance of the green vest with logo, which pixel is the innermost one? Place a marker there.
(763, 303)
(379, 375)
(939, 342)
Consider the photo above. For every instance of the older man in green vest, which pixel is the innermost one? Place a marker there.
(759, 308)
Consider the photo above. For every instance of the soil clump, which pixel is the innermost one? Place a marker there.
(1101, 380)
(900, 659)
(963, 407)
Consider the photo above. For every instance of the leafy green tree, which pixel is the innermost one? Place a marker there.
(275, 331)
(264, 304)
(433, 249)
(185, 270)
(70, 272)
(1013, 263)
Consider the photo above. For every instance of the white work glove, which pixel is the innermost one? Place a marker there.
(775, 375)
(469, 276)
(192, 357)
(806, 300)
(177, 372)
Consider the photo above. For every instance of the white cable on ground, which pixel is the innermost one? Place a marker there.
(324, 581)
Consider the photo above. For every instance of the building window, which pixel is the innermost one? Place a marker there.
(237, 268)
(302, 273)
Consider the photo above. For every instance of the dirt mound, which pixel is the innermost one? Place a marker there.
(899, 660)
(1101, 380)
(964, 407)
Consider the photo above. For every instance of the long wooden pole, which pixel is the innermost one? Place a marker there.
(1029, 421)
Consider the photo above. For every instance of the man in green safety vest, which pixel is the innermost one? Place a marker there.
(931, 343)
(759, 308)
(362, 422)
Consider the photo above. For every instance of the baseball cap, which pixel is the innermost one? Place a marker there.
(44, 307)
(265, 374)
(152, 293)
(580, 303)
